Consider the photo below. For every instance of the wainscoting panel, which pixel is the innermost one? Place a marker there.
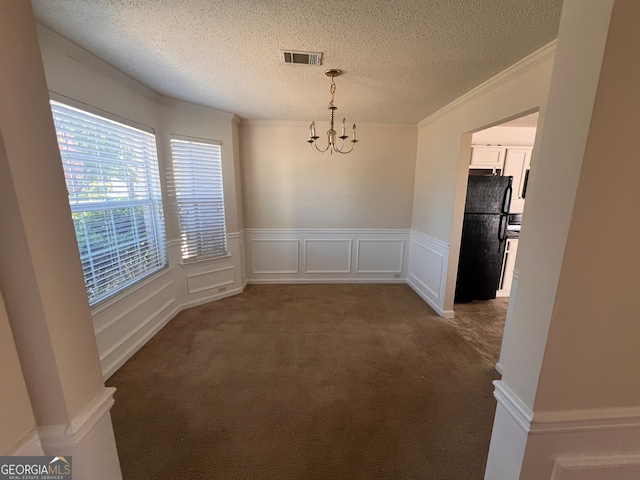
(274, 256)
(326, 256)
(211, 279)
(428, 259)
(380, 256)
(597, 468)
(127, 322)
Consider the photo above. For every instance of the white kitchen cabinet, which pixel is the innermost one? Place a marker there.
(509, 262)
(487, 157)
(517, 162)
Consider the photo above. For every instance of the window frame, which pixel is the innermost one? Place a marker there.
(172, 189)
(154, 201)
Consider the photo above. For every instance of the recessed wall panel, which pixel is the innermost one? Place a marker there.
(380, 256)
(274, 256)
(327, 256)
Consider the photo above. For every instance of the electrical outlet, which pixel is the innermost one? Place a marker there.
(222, 289)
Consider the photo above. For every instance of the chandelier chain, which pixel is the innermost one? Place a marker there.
(332, 91)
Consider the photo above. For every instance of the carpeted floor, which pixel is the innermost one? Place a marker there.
(306, 382)
(481, 323)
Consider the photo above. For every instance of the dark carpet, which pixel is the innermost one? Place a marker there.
(306, 382)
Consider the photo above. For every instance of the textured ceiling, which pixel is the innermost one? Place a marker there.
(528, 121)
(402, 59)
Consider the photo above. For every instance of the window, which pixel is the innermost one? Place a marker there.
(197, 187)
(111, 171)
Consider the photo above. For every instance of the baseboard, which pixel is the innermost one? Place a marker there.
(417, 288)
(212, 298)
(29, 446)
(64, 439)
(138, 344)
(312, 281)
(499, 368)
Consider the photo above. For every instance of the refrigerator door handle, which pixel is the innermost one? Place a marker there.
(506, 201)
(502, 228)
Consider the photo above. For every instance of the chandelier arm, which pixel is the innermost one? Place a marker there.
(348, 151)
(314, 147)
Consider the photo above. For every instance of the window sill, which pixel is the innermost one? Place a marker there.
(204, 261)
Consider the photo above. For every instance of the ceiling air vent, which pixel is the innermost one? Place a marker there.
(303, 58)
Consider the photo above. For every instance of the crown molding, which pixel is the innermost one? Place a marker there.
(541, 55)
(79, 54)
(305, 123)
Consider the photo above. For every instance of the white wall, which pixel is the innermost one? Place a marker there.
(321, 218)
(286, 185)
(128, 320)
(16, 415)
(511, 136)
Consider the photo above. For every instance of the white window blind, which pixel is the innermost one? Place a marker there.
(197, 187)
(111, 171)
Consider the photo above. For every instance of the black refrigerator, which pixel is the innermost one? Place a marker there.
(483, 237)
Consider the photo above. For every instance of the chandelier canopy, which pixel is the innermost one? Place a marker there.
(331, 133)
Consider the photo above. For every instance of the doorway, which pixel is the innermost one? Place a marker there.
(502, 150)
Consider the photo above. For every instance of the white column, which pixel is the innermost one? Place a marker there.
(40, 270)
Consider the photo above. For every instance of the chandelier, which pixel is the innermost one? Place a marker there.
(331, 133)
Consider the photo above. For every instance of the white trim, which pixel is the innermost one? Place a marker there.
(129, 291)
(305, 123)
(326, 231)
(517, 69)
(67, 437)
(52, 39)
(137, 345)
(313, 281)
(208, 287)
(212, 298)
(204, 141)
(513, 405)
(139, 327)
(429, 300)
(418, 272)
(29, 446)
(85, 107)
(204, 261)
(424, 286)
(430, 239)
(499, 368)
(585, 420)
(115, 320)
(564, 465)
